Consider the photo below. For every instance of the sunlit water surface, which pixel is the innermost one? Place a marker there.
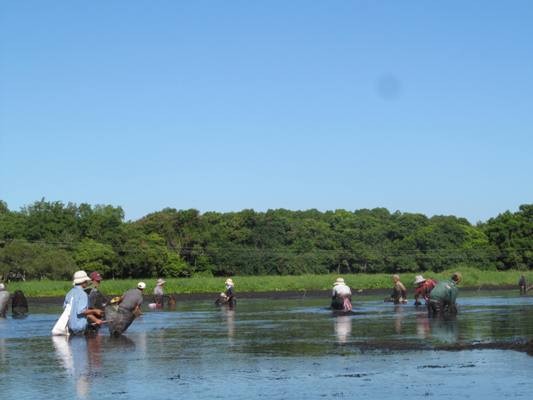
(276, 349)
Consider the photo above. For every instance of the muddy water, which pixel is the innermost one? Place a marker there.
(279, 349)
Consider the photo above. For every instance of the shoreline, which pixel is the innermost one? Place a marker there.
(279, 295)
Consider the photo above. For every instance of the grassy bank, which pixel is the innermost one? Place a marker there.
(472, 278)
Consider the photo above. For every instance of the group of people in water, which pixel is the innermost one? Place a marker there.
(90, 309)
(439, 297)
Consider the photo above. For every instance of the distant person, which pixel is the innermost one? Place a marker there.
(443, 297)
(228, 296)
(171, 303)
(522, 284)
(19, 304)
(423, 287)
(81, 314)
(4, 300)
(399, 292)
(159, 293)
(341, 296)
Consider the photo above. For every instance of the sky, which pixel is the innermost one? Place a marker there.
(413, 106)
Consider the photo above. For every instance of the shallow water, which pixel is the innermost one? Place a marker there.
(277, 349)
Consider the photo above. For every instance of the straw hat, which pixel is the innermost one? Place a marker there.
(457, 277)
(80, 277)
(141, 285)
(419, 279)
(160, 282)
(228, 282)
(339, 281)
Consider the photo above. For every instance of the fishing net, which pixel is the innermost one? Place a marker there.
(118, 319)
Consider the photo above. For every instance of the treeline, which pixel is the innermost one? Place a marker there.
(50, 240)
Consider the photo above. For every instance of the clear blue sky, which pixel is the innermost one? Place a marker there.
(417, 106)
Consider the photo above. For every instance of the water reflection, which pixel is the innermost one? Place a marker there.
(229, 316)
(398, 318)
(444, 330)
(422, 325)
(343, 328)
(73, 353)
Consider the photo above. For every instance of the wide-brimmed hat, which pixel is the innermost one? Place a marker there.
(80, 277)
(141, 285)
(339, 281)
(229, 281)
(160, 282)
(457, 277)
(419, 279)
(95, 276)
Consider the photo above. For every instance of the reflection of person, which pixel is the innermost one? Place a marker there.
(422, 288)
(399, 292)
(19, 304)
(80, 311)
(341, 296)
(443, 296)
(343, 328)
(159, 293)
(4, 300)
(522, 285)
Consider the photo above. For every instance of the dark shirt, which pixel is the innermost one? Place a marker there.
(131, 299)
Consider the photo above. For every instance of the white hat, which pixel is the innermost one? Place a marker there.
(2, 286)
(141, 285)
(80, 277)
(339, 281)
(228, 282)
(419, 279)
(160, 282)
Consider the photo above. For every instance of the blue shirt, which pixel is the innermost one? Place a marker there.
(77, 322)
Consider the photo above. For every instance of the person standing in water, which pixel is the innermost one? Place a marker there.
(227, 297)
(19, 304)
(341, 296)
(522, 285)
(159, 293)
(423, 287)
(443, 296)
(4, 300)
(399, 292)
(80, 313)
(96, 298)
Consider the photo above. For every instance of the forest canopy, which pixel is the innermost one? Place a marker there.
(50, 240)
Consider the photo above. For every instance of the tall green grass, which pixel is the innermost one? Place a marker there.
(472, 278)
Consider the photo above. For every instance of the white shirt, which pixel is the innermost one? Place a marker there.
(341, 290)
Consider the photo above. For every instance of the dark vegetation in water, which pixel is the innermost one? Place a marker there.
(525, 346)
(49, 240)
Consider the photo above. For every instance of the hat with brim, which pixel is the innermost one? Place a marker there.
(229, 281)
(160, 282)
(339, 281)
(141, 285)
(80, 277)
(419, 279)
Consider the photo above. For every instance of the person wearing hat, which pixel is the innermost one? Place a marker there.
(80, 313)
(341, 296)
(227, 297)
(159, 293)
(133, 299)
(422, 288)
(443, 296)
(399, 292)
(4, 300)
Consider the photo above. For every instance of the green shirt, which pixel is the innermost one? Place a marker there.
(445, 291)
